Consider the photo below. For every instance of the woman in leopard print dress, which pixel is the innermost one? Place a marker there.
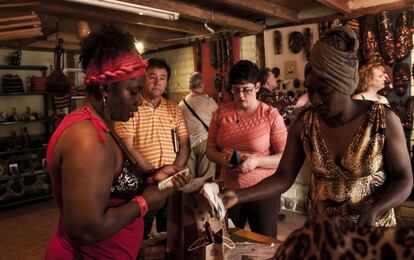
(356, 149)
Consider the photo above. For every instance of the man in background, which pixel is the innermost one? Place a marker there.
(156, 135)
(198, 108)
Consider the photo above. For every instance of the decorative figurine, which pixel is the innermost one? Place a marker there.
(308, 39)
(27, 113)
(16, 58)
(2, 117)
(277, 40)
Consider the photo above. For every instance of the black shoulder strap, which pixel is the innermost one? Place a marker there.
(195, 114)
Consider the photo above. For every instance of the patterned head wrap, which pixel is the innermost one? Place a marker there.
(127, 65)
(339, 69)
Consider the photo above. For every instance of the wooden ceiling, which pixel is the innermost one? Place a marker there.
(242, 17)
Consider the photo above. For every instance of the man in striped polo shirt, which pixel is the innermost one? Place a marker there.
(149, 134)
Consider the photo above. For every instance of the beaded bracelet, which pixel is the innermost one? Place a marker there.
(142, 204)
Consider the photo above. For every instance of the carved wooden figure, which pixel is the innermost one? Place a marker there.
(403, 35)
(386, 37)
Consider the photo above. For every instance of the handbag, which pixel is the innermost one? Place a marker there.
(195, 114)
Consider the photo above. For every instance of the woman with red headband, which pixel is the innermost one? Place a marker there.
(100, 192)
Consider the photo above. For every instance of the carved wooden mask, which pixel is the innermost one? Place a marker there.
(403, 35)
(386, 41)
(401, 78)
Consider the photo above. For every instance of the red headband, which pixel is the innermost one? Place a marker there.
(127, 65)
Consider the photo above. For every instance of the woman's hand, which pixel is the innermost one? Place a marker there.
(230, 198)
(154, 197)
(368, 217)
(249, 163)
(181, 179)
(164, 172)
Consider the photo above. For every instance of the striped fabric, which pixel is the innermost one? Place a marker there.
(152, 130)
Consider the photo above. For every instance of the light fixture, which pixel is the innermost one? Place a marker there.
(129, 7)
(139, 46)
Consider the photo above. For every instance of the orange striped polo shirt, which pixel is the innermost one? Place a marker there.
(151, 128)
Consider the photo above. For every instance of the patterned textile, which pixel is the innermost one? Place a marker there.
(12, 84)
(262, 133)
(38, 84)
(279, 100)
(336, 238)
(349, 188)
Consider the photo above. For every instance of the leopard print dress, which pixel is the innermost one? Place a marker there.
(336, 238)
(349, 188)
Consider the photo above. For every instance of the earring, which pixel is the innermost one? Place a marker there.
(106, 109)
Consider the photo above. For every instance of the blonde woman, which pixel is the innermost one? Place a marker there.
(372, 79)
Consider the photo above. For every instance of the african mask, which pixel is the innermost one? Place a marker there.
(401, 78)
(403, 35)
(369, 45)
(277, 40)
(295, 42)
(386, 37)
(409, 111)
(308, 38)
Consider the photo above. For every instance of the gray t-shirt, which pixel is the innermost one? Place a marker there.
(204, 106)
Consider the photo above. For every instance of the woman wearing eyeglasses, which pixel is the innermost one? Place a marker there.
(258, 133)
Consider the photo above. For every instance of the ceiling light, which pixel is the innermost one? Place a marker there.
(129, 7)
(139, 46)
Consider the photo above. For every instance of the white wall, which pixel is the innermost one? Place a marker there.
(248, 50)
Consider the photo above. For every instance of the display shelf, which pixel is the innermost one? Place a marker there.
(28, 199)
(13, 98)
(23, 67)
(28, 150)
(24, 94)
(24, 122)
(22, 175)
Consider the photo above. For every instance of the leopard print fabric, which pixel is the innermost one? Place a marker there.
(336, 238)
(347, 187)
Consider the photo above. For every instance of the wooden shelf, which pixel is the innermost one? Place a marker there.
(24, 122)
(24, 94)
(27, 150)
(22, 175)
(23, 67)
(28, 199)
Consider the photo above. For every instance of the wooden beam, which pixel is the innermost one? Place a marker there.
(265, 8)
(69, 25)
(363, 9)
(67, 9)
(341, 6)
(355, 13)
(202, 14)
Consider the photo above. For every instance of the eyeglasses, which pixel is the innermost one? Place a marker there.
(244, 90)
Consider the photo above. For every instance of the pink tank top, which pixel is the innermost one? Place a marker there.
(123, 245)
